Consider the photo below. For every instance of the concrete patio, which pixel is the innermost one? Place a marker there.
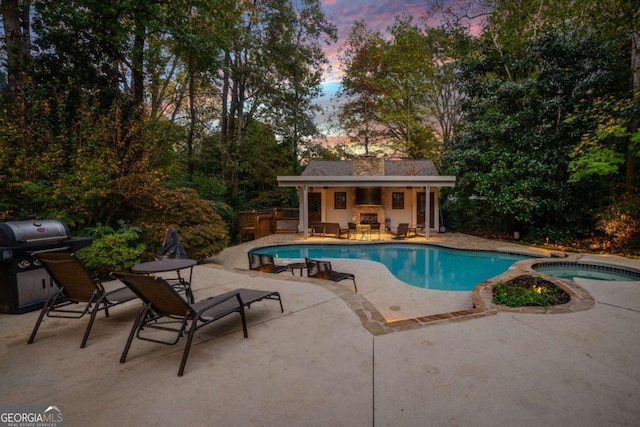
(335, 358)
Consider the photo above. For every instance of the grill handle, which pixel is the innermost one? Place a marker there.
(62, 248)
(42, 239)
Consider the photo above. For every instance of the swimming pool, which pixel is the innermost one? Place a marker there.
(569, 270)
(423, 266)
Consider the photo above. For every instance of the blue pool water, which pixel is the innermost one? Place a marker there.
(569, 270)
(423, 266)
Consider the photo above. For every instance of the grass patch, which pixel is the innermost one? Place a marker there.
(528, 290)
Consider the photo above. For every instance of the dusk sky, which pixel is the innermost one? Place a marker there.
(378, 15)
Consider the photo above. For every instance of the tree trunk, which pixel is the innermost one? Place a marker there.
(193, 119)
(16, 24)
(138, 59)
(634, 125)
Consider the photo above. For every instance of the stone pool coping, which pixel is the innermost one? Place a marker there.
(482, 296)
(374, 321)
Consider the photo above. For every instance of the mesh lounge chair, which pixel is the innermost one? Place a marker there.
(164, 309)
(402, 231)
(323, 270)
(264, 262)
(78, 289)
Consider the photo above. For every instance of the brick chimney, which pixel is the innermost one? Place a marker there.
(368, 166)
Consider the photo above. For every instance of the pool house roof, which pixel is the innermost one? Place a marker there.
(394, 173)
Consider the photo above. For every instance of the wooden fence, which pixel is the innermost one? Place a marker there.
(263, 222)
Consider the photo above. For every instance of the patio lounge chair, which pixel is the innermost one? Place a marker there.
(323, 270)
(402, 231)
(77, 288)
(163, 306)
(265, 263)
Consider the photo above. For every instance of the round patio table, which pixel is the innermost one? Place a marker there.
(297, 266)
(159, 266)
(170, 264)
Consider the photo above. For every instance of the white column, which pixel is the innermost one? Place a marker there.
(436, 209)
(427, 211)
(305, 211)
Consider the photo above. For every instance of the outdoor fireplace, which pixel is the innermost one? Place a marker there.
(368, 214)
(368, 218)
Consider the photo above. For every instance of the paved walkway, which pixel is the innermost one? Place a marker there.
(317, 364)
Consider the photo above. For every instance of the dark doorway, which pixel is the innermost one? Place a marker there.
(421, 208)
(315, 207)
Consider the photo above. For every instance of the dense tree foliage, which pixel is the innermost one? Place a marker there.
(160, 113)
(102, 100)
(538, 109)
(514, 144)
(399, 91)
(548, 138)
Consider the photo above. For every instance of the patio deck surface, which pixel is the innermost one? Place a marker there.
(331, 359)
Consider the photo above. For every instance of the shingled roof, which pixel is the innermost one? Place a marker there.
(391, 168)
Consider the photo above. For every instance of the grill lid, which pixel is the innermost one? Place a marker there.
(19, 233)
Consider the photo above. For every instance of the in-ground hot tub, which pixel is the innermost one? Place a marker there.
(586, 270)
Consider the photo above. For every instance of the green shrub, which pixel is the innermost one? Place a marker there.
(111, 250)
(528, 291)
(202, 231)
(621, 222)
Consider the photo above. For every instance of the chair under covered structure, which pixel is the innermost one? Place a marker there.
(165, 310)
(402, 231)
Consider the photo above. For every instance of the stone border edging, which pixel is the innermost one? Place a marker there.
(580, 299)
(482, 296)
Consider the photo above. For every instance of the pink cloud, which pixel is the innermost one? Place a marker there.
(378, 15)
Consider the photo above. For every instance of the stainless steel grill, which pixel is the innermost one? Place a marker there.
(24, 284)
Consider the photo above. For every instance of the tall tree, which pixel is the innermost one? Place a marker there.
(406, 80)
(16, 21)
(256, 80)
(451, 44)
(524, 83)
(360, 61)
(198, 31)
(389, 88)
(612, 25)
(301, 67)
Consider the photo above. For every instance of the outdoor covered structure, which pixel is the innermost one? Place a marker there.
(369, 190)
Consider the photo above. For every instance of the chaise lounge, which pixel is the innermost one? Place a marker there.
(265, 263)
(164, 309)
(79, 293)
(327, 228)
(402, 231)
(322, 270)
